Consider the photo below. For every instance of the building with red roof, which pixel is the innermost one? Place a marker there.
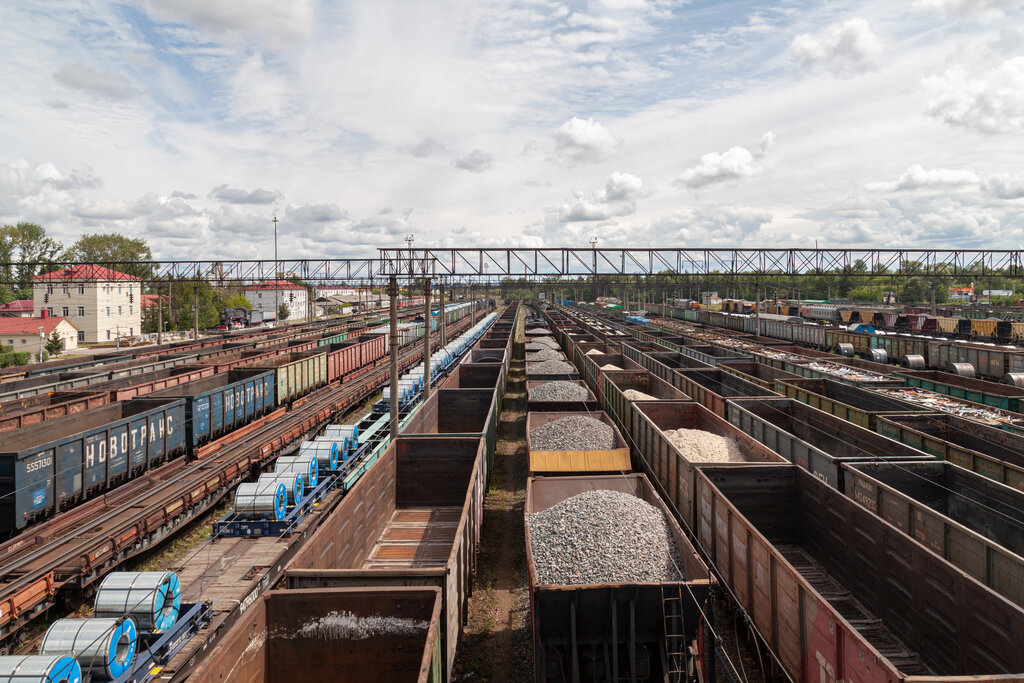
(20, 308)
(268, 296)
(102, 303)
(25, 334)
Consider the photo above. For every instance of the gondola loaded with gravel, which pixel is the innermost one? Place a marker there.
(575, 442)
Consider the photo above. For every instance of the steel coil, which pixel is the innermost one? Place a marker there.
(306, 465)
(152, 598)
(348, 435)
(324, 450)
(1014, 378)
(877, 355)
(962, 369)
(912, 361)
(105, 648)
(294, 485)
(844, 349)
(39, 669)
(253, 501)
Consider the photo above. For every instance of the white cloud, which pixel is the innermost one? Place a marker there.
(918, 178)
(315, 213)
(476, 161)
(579, 141)
(233, 195)
(844, 50)
(618, 198)
(993, 103)
(1005, 186)
(711, 226)
(108, 86)
(275, 23)
(424, 148)
(963, 8)
(733, 163)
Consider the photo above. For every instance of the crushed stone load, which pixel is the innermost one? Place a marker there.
(610, 367)
(546, 354)
(538, 332)
(603, 537)
(634, 395)
(697, 445)
(551, 367)
(559, 391)
(594, 352)
(573, 433)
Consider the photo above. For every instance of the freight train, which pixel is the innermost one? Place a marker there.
(127, 424)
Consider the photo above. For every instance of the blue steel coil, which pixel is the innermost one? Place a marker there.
(152, 598)
(39, 669)
(105, 648)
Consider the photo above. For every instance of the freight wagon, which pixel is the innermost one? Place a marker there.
(410, 520)
(222, 403)
(1003, 396)
(30, 411)
(345, 358)
(46, 470)
(991, 452)
(588, 403)
(296, 374)
(621, 629)
(762, 375)
(291, 635)
(619, 407)
(712, 388)
(812, 439)
(973, 522)
(820, 579)
(614, 459)
(859, 406)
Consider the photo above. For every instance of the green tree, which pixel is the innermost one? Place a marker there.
(24, 244)
(112, 247)
(283, 312)
(238, 301)
(54, 343)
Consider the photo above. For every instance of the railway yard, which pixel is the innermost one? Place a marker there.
(574, 494)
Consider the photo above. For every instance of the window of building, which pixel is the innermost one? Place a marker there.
(129, 289)
(81, 289)
(81, 311)
(65, 289)
(119, 310)
(49, 311)
(24, 341)
(65, 311)
(108, 335)
(10, 342)
(119, 289)
(131, 310)
(81, 336)
(131, 331)
(259, 295)
(49, 289)
(108, 310)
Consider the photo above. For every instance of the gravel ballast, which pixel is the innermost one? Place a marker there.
(573, 433)
(546, 354)
(697, 445)
(634, 395)
(551, 367)
(559, 391)
(603, 537)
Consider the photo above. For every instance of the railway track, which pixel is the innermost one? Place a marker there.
(59, 560)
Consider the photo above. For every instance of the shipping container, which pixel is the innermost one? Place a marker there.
(973, 522)
(220, 404)
(619, 631)
(619, 407)
(839, 594)
(859, 406)
(350, 635)
(814, 440)
(589, 403)
(73, 457)
(991, 452)
(671, 470)
(1003, 396)
(410, 520)
(614, 459)
(712, 388)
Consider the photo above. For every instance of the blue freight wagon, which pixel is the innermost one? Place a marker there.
(222, 403)
(43, 470)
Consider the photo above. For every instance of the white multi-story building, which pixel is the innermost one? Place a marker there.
(268, 296)
(102, 303)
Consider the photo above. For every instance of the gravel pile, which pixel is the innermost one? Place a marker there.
(538, 332)
(546, 354)
(603, 537)
(573, 433)
(696, 445)
(559, 391)
(634, 395)
(594, 352)
(550, 367)
(610, 367)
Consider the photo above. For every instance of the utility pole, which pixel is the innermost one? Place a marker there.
(426, 338)
(195, 308)
(932, 286)
(440, 319)
(393, 344)
(277, 269)
(757, 309)
(159, 316)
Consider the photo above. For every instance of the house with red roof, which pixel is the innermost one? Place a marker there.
(20, 308)
(25, 334)
(103, 304)
(268, 296)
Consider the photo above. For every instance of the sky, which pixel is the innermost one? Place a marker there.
(645, 123)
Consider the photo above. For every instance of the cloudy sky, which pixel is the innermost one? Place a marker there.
(514, 123)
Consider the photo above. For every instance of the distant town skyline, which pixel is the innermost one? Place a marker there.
(536, 123)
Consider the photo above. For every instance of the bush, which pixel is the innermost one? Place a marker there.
(8, 360)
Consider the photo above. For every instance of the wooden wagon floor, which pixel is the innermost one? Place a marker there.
(419, 537)
(869, 626)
